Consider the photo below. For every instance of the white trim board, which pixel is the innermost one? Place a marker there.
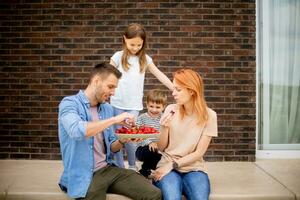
(277, 154)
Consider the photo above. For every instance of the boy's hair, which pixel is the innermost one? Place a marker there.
(156, 96)
(104, 69)
(132, 31)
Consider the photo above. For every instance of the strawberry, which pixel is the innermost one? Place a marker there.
(136, 130)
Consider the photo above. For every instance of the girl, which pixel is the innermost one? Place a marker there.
(132, 62)
(186, 131)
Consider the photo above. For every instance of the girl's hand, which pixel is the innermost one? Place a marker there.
(165, 120)
(162, 171)
(153, 147)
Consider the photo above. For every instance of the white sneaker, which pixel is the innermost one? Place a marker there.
(133, 167)
(152, 175)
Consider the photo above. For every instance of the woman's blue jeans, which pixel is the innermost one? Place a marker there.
(130, 147)
(194, 185)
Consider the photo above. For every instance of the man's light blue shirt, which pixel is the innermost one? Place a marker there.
(76, 149)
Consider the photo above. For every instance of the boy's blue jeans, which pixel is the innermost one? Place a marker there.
(130, 147)
(194, 185)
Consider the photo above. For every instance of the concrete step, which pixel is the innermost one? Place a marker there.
(37, 180)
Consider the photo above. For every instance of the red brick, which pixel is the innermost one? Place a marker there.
(47, 50)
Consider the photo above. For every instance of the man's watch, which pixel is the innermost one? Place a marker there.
(175, 165)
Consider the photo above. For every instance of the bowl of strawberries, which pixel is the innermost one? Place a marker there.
(137, 132)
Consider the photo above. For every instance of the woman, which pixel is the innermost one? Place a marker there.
(186, 131)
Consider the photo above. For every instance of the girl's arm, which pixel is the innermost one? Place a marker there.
(160, 76)
(200, 151)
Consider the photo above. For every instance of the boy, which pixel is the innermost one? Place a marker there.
(155, 101)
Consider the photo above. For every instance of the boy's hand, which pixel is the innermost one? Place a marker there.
(153, 147)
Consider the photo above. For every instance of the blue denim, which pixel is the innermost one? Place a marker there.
(194, 185)
(77, 150)
(129, 147)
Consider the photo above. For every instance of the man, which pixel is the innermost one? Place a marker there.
(87, 138)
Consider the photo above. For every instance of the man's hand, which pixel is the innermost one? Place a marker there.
(126, 140)
(125, 119)
(118, 144)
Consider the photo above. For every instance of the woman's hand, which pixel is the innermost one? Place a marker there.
(153, 147)
(160, 172)
(166, 119)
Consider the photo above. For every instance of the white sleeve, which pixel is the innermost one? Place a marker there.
(149, 60)
(117, 58)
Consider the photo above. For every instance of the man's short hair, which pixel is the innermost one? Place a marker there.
(156, 96)
(104, 69)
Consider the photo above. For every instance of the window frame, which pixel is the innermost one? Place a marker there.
(260, 152)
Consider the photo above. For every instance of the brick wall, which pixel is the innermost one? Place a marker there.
(48, 46)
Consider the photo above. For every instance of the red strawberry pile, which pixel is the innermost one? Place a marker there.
(137, 130)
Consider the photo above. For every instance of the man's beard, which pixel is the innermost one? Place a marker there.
(107, 99)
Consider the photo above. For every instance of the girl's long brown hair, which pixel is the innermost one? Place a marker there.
(134, 30)
(192, 81)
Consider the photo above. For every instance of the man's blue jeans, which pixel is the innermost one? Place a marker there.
(129, 147)
(194, 185)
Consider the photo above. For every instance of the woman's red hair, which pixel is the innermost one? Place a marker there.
(191, 80)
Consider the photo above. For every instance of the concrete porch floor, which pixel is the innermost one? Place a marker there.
(260, 180)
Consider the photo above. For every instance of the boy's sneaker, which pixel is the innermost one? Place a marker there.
(133, 167)
(144, 172)
(151, 175)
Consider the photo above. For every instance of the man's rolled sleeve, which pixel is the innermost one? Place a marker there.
(71, 121)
